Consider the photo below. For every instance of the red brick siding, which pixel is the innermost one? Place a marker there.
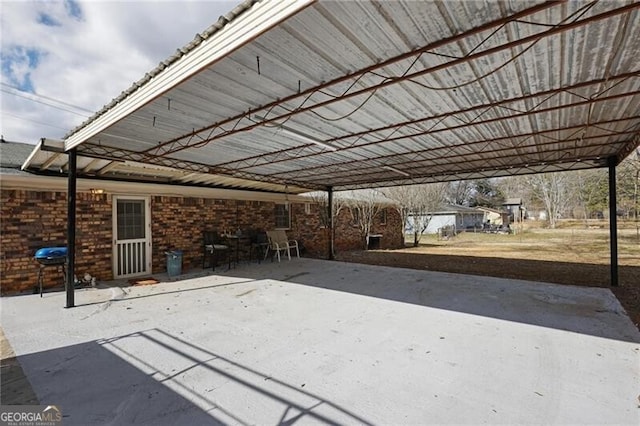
(308, 230)
(35, 219)
(179, 223)
(348, 237)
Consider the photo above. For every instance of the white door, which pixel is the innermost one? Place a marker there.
(131, 236)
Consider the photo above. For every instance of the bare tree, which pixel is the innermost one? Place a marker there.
(628, 184)
(322, 199)
(402, 197)
(416, 204)
(591, 191)
(518, 187)
(554, 191)
(364, 205)
(459, 192)
(338, 203)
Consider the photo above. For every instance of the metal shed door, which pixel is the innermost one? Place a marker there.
(132, 236)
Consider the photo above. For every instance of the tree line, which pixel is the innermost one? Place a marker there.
(582, 194)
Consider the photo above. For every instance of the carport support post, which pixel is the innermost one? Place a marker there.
(613, 220)
(71, 228)
(330, 216)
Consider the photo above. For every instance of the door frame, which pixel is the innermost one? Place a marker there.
(114, 233)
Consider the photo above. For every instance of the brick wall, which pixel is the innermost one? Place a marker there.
(178, 223)
(315, 237)
(308, 230)
(36, 219)
(348, 236)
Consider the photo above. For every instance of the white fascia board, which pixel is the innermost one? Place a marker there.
(53, 183)
(260, 18)
(31, 157)
(40, 148)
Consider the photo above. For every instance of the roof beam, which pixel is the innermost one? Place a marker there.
(480, 171)
(106, 152)
(488, 173)
(180, 143)
(625, 151)
(255, 21)
(90, 165)
(308, 150)
(186, 177)
(50, 161)
(478, 123)
(299, 178)
(406, 136)
(568, 145)
(110, 166)
(482, 145)
(508, 160)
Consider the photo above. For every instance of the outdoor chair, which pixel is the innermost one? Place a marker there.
(280, 243)
(259, 244)
(214, 248)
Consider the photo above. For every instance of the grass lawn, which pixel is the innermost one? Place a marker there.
(569, 243)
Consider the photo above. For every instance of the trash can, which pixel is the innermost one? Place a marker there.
(174, 262)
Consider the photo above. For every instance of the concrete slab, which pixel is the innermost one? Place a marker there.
(313, 341)
(15, 389)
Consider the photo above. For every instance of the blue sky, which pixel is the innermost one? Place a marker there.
(63, 60)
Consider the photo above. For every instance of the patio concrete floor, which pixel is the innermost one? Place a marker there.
(313, 341)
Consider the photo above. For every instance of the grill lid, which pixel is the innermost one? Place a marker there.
(51, 253)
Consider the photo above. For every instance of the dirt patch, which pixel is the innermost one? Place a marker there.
(571, 273)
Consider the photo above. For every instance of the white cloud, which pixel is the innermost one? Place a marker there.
(85, 58)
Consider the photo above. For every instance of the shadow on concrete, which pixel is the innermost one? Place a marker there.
(161, 277)
(578, 309)
(153, 377)
(581, 274)
(92, 385)
(571, 273)
(125, 297)
(584, 310)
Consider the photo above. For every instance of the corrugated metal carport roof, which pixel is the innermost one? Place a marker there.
(48, 158)
(319, 94)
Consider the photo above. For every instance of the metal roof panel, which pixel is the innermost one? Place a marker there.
(436, 89)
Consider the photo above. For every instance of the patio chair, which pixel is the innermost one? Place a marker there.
(214, 247)
(259, 244)
(280, 243)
